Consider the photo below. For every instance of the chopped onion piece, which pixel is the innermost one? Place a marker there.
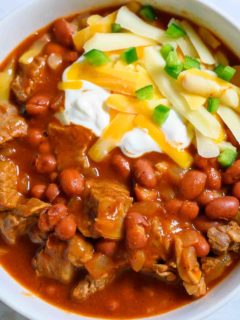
(201, 119)
(202, 50)
(231, 119)
(6, 77)
(206, 147)
(115, 41)
(130, 21)
(34, 50)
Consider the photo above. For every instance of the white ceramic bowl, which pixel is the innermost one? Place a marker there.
(37, 14)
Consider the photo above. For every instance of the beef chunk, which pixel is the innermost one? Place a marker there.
(70, 144)
(12, 227)
(164, 272)
(29, 78)
(106, 203)
(52, 261)
(224, 238)
(79, 251)
(89, 286)
(32, 207)
(214, 267)
(37, 236)
(196, 290)
(11, 125)
(9, 195)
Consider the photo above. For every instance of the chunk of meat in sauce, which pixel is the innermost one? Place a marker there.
(12, 227)
(32, 207)
(224, 238)
(9, 195)
(106, 203)
(164, 272)
(29, 78)
(214, 267)
(189, 268)
(89, 286)
(70, 145)
(79, 251)
(52, 262)
(12, 124)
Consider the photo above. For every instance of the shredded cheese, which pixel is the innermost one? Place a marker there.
(202, 50)
(131, 22)
(119, 80)
(111, 136)
(115, 41)
(100, 25)
(6, 77)
(181, 157)
(201, 119)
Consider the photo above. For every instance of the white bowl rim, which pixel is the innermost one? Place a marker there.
(21, 308)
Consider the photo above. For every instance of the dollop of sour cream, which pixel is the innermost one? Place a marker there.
(87, 107)
(137, 142)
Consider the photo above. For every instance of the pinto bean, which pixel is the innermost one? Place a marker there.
(107, 247)
(195, 239)
(232, 174)
(70, 56)
(206, 196)
(222, 208)
(48, 220)
(144, 173)
(38, 191)
(189, 210)
(200, 162)
(236, 190)
(52, 192)
(135, 231)
(63, 32)
(34, 136)
(72, 182)
(202, 223)
(214, 179)
(45, 147)
(192, 184)
(121, 165)
(204, 163)
(66, 228)
(173, 206)
(53, 47)
(38, 105)
(143, 194)
(202, 247)
(46, 163)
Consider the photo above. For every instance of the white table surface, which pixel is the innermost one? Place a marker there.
(232, 309)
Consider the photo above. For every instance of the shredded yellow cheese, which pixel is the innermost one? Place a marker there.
(111, 136)
(182, 157)
(6, 77)
(128, 104)
(102, 25)
(119, 80)
(70, 85)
